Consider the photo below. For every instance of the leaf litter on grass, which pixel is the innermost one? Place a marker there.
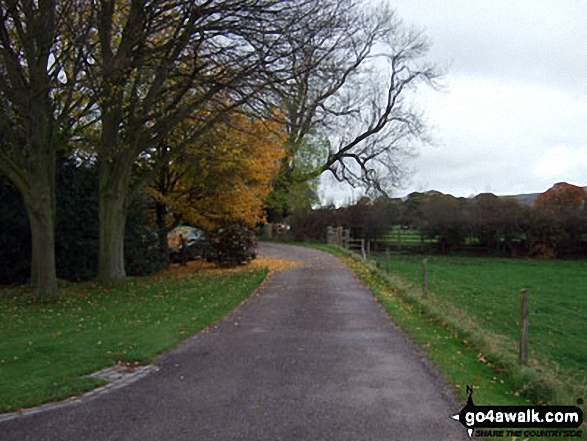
(98, 326)
(200, 267)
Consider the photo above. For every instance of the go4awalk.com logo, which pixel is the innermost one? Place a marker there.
(520, 421)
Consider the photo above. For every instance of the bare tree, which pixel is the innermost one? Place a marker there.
(160, 62)
(354, 69)
(126, 73)
(40, 67)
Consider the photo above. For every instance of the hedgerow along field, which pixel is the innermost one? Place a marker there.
(46, 349)
(487, 291)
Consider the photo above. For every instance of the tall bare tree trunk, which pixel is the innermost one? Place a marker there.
(113, 205)
(39, 201)
(30, 134)
(43, 271)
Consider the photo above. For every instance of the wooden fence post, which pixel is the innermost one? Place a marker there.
(363, 249)
(425, 283)
(347, 237)
(523, 358)
(387, 260)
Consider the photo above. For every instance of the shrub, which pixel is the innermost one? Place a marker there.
(76, 230)
(15, 236)
(76, 224)
(231, 245)
(142, 256)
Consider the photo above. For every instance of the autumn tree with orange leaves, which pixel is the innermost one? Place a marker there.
(221, 178)
(117, 79)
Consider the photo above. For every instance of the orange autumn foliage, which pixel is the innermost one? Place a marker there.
(226, 176)
(561, 195)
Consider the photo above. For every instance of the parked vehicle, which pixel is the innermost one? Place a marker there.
(251, 246)
(185, 243)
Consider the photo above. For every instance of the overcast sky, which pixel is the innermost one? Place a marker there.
(513, 116)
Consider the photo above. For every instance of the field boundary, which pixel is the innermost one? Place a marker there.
(533, 382)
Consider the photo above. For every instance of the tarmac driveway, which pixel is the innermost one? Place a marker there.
(311, 357)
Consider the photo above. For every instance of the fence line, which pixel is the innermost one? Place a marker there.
(523, 357)
(524, 308)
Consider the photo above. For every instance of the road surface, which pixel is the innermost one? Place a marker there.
(311, 356)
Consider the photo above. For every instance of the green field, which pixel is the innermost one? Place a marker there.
(467, 342)
(483, 295)
(47, 348)
(408, 238)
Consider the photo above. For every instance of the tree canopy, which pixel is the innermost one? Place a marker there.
(223, 177)
(347, 102)
(207, 90)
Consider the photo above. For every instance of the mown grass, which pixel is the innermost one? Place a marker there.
(465, 349)
(487, 291)
(47, 348)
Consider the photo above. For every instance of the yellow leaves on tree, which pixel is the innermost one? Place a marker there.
(226, 175)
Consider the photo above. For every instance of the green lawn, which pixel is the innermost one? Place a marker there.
(45, 349)
(487, 291)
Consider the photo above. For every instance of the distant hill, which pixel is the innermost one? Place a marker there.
(528, 199)
(525, 199)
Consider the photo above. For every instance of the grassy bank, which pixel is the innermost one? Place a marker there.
(487, 292)
(47, 348)
(461, 341)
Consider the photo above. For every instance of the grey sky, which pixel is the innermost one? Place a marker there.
(513, 115)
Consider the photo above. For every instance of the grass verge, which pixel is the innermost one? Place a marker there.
(47, 348)
(482, 296)
(458, 345)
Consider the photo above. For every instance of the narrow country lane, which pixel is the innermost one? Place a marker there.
(311, 356)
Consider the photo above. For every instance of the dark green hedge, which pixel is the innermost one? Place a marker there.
(76, 230)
